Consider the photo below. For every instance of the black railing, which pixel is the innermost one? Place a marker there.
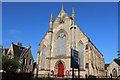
(30, 76)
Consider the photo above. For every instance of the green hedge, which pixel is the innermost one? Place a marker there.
(91, 77)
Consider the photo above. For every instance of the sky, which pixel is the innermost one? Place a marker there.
(28, 22)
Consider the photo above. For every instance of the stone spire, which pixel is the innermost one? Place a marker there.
(51, 23)
(73, 13)
(62, 7)
(51, 20)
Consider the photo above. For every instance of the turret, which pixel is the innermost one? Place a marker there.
(62, 8)
(73, 13)
(73, 30)
(51, 23)
(50, 38)
(51, 20)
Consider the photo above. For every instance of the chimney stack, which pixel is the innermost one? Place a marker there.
(1, 46)
(29, 46)
(19, 44)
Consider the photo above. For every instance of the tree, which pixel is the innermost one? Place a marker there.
(10, 65)
(118, 55)
(117, 61)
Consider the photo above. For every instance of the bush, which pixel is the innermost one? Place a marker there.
(91, 77)
(10, 65)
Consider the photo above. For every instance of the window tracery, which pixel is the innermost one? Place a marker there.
(81, 50)
(61, 44)
(43, 57)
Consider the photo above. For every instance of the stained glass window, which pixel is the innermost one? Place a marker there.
(81, 53)
(61, 44)
(43, 57)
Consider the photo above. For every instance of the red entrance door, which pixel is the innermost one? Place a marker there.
(60, 70)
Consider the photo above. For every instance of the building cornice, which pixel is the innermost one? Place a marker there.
(59, 57)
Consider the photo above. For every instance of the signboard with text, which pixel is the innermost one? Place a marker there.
(74, 59)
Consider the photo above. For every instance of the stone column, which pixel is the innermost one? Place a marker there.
(50, 33)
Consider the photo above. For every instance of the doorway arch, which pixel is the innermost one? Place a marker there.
(114, 71)
(59, 68)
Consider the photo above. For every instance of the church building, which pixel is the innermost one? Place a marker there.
(54, 54)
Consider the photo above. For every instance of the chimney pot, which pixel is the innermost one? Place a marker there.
(29, 46)
(1, 46)
(19, 44)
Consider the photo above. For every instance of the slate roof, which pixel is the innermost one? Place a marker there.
(106, 65)
(18, 50)
(25, 50)
(6, 50)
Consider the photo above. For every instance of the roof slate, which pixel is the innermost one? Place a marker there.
(106, 65)
(18, 50)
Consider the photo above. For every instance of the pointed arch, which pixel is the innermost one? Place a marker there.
(59, 62)
(60, 31)
(80, 42)
(61, 42)
(81, 54)
(44, 50)
(114, 71)
(87, 46)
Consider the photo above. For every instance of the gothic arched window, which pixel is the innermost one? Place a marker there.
(81, 52)
(43, 57)
(114, 71)
(87, 46)
(61, 44)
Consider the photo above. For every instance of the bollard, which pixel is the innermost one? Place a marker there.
(98, 78)
(85, 76)
(48, 76)
(111, 77)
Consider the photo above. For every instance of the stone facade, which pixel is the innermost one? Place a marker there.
(64, 32)
(24, 55)
(113, 69)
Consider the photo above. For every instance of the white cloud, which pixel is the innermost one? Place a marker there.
(15, 31)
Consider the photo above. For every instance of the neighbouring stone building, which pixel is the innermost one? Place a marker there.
(1, 48)
(54, 54)
(23, 53)
(113, 68)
